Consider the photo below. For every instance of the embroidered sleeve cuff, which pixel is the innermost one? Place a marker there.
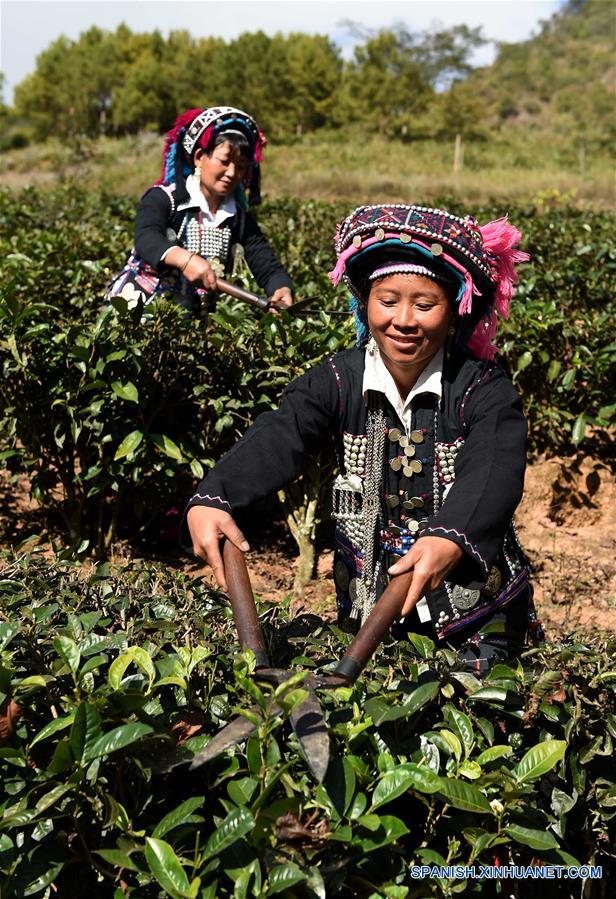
(462, 541)
(204, 499)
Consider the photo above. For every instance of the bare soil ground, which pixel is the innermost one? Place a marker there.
(565, 522)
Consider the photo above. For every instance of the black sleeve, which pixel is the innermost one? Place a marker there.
(153, 219)
(275, 449)
(262, 261)
(489, 473)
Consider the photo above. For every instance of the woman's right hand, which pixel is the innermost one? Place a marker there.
(199, 271)
(207, 528)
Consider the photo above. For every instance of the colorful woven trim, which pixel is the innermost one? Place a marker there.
(224, 118)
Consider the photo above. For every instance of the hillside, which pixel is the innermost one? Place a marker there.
(561, 82)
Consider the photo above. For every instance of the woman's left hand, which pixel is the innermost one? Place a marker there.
(431, 560)
(281, 298)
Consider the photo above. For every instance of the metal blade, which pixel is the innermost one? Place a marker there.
(236, 731)
(309, 725)
(303, 307)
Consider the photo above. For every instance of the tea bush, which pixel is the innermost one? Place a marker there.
(111, 683)
(112, 415)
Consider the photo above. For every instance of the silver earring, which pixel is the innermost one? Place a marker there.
(371, 346)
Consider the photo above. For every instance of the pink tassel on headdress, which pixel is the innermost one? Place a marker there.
(500, 239)
(481, 343)
(182, 121)
(466, 303)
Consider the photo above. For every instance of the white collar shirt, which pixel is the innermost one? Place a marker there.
(377, 377)
(226, 210)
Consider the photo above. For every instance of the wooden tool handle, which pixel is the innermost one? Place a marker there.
(240, 294)
(243, 603)
(374, 628)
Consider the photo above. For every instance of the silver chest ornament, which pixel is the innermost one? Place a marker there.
(464, 598)
(446, 457)
(210, 242)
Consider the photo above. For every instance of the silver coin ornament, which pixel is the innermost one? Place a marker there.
(493, 582)
(446, 454)
(353, 589)
(464, 598)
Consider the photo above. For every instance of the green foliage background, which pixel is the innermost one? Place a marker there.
(399, 83)
(113, 413)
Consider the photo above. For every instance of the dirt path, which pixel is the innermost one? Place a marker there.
(565, 522)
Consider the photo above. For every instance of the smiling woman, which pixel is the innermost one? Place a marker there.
(409, 316)
(430, 435)
(192, 224)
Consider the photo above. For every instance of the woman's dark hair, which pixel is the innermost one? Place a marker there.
(237, 140)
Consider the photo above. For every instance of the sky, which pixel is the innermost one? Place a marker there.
(28, 26)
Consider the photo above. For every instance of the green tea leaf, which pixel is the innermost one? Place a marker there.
(535, 839)
(55, 725)
(283, 877)
(69, 651)
(166, 868)
(423, 645)
(179, 816)
(539, 760)
(237, 823)
(128, 445)
(492, 753)
(464, 796)
(126, 391)
(118, 738)
(167, 446)
(578, 431)
(420, 696)
(391, 829)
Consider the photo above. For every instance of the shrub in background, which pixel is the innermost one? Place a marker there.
(112, 416)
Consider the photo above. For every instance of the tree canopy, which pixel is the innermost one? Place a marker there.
(398, 83)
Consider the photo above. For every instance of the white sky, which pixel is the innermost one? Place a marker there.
(28, 26)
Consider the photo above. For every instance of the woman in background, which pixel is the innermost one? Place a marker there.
(193, 223)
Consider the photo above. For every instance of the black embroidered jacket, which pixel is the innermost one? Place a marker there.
(470, 450)
(159, 223)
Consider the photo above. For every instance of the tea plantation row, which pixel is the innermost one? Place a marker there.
(113, 415)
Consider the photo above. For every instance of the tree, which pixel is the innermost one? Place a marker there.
(314, 68)
(384, 85)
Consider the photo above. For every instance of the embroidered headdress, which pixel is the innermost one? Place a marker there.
(479, 260)
(198, 129)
